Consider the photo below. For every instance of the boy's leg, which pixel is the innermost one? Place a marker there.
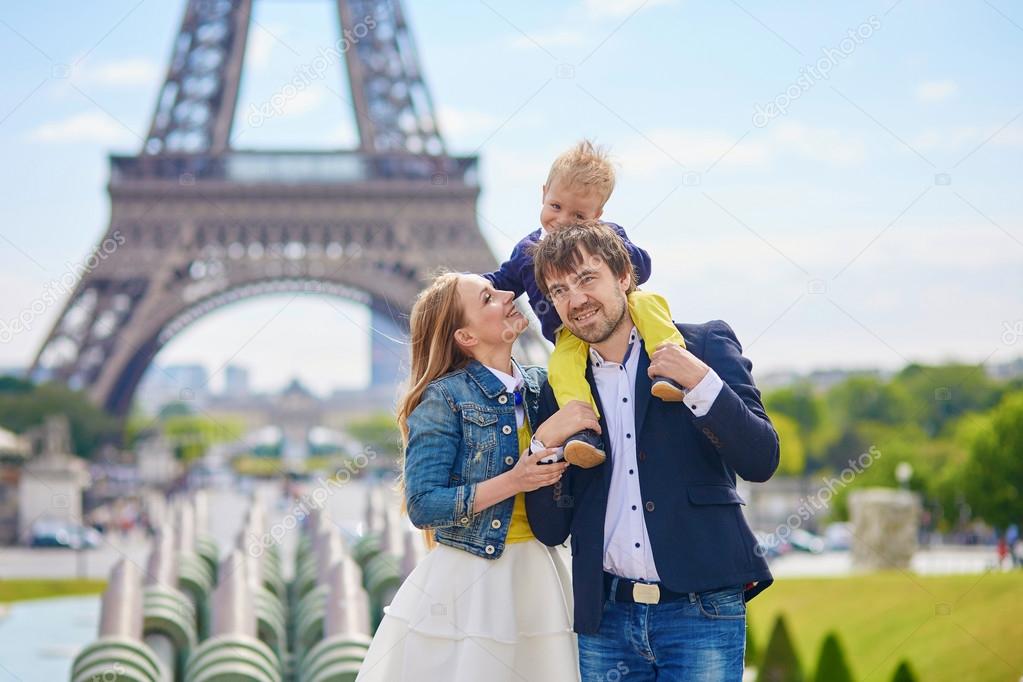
(652, 317)
(566, 371)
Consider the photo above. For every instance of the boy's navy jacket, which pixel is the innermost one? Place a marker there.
(687, 469)
(516, 275)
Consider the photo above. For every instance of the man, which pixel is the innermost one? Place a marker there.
(663, 560)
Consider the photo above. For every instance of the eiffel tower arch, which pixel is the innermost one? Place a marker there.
(196, 224)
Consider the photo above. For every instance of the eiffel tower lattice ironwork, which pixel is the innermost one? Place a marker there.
(196, 224)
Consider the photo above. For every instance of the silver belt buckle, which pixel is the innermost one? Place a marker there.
(644, 593)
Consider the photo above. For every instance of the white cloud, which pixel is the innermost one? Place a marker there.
(658, 149)
(304, 101)
(816, 144)
(696, 149)
(124, 73)
(603, 9)
(86, 126)
(936, 91)
(260, 47)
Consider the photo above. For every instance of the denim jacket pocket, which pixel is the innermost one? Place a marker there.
(479, 430)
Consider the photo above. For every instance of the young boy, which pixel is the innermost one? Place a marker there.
(578, 185)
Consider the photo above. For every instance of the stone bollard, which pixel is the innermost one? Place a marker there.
(233, 652)
(169, 618)
(885, 523)
(271, 619)
(119, 653)
(205, 545)
(339, 655)
(195, 578)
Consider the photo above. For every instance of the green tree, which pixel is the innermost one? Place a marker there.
(23, 406)
(869, 398)
(752, 653)
(379, 432)
(943, 393)
(793, 453)
(192, 436)
(831, 664)
(904, 673)
(798, 402)
(993, 476)
(780, 663)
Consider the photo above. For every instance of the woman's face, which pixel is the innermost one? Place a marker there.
(491, 319)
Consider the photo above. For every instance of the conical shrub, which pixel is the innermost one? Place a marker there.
(780, 663)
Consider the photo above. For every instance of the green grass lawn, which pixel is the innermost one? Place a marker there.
(961, 627)
(20, 590)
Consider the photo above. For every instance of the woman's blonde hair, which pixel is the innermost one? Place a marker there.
(435, 317)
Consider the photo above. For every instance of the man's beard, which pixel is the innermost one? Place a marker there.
(602, 331)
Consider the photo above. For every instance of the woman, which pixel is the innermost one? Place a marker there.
(489, 602)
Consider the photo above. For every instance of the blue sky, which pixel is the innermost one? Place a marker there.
(876, 221)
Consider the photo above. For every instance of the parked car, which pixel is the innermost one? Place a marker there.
(53, 533)
(838, 537)
(805, 541)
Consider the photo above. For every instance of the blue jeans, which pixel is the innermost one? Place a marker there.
(701, 637)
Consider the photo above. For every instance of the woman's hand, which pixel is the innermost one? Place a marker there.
(574, 417)
(529, 475)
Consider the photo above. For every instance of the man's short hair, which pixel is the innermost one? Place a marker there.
(561, 252)
(585, 166)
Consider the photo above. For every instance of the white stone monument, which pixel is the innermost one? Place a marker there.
(885, 523)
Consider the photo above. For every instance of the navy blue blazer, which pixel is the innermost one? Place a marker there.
(687, 469)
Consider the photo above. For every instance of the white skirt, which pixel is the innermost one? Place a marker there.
(459, 617)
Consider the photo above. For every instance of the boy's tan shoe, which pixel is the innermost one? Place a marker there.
(667, 390)
(585, 450)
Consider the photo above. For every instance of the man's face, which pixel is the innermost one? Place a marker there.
(591, 301)
(564, 205)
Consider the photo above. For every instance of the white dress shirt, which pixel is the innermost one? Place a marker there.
(627, 551)
(512, 382)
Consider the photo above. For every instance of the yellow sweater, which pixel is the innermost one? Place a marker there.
(519, 530)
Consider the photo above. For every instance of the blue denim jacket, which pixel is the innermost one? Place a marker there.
(463, 432)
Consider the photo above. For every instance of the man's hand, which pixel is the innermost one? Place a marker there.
(675, 362)
(529, 474)
(568, 421)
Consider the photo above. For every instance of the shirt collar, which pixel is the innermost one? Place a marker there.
(598, 361)
(512, 382)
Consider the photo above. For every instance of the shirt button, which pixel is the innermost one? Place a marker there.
(630, 471)
(502, 399)
(496, 523)
(506, 429)
(489, 549)
(628, 435)
(650, 506)
(633, 507)
(509, 460)
(637, 545)
(464, 520)
(625, 400)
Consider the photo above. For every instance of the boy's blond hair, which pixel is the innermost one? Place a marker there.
(587, 166)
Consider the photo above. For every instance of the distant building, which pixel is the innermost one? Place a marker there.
(236, 382)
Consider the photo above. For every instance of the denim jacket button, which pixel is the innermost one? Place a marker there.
(489, 549)
(506, 429)
(502, 399)
(464, 520)
(509, 460)
(496, 523)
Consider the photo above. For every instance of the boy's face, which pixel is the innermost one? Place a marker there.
(564, 204)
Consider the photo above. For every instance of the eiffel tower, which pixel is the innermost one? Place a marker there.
(196, 224)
